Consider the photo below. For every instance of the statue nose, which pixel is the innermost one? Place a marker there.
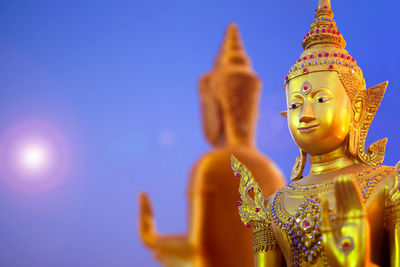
(307, 115)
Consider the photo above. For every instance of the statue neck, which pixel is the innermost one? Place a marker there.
(233, 138)
(331, 161)
(239, 141)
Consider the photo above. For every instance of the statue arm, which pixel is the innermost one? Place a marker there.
(392, 218)
(182, 246)
(165, 247)
(265, 247)
(252, 210)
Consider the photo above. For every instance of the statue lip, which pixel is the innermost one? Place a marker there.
(308, 128)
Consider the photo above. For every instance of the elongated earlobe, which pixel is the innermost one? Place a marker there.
(284, 113)
(211, 111)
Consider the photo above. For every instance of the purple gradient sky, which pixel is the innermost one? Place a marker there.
(119, 80)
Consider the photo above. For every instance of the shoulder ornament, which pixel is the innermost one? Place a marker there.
(252, 206)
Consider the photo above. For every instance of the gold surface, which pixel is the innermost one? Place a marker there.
(346, 211)
(215, 236)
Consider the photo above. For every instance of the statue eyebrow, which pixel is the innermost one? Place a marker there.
(316, 91)
(296, 95)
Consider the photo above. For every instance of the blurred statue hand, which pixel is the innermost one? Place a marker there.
(171, 260)
(146, 224)
(347, 241)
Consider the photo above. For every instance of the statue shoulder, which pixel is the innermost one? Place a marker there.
(393, 186)
(374, 181)
(252, 207)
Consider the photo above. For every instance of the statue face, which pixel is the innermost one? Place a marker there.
(319, 112)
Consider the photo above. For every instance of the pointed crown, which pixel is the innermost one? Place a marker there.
(232, 52)
(324, 50)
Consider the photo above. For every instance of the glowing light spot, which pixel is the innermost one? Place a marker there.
(34, 156)
(166, 138)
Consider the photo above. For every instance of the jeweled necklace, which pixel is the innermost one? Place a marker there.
(302, 229)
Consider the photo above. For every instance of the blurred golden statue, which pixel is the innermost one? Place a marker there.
(346, 211)
(229, 104)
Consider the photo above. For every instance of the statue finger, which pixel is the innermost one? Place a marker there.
(339, 196)
(352, 194)
(328, 235)
(145, 205)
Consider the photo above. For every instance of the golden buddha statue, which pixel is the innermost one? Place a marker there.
(346, 211)
(229, 103)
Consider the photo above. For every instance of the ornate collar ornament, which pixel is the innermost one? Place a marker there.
(324, 50)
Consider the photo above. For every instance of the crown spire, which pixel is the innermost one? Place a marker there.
(323, 3)
(324, 50)
(232, 51)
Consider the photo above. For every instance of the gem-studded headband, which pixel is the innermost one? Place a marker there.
(324, 49)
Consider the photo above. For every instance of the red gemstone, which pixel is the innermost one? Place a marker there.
(311, 56)
(342, 55)
(237, 174)
(239, 204)
(257, 209)
(307, 34)
(326, 54)
(346, 245)
(325, 6)
(328, 30)
(251, 188)
(323, 30)
(305, 69)
(348, 57)
(334, 54)
(286, 78)
(304, 58)
(319, 55)
(352, 59)
(305, 87)
(338, 33)
(311, 32)
(331, 66)
(299, 60)
(317, 31)
(316, 10)
(247, 225)
(306, 224)
(333, 31)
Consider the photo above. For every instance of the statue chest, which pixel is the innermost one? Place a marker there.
(297, 228)
(296, 215)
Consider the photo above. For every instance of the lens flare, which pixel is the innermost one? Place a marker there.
(33, 156)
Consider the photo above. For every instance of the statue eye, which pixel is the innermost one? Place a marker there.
(294, 106)
(322, 99)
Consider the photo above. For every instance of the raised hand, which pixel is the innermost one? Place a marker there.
(146, 224)
(346, 241)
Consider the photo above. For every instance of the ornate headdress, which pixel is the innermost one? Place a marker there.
(324, 50)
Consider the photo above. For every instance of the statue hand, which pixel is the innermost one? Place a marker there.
(347, 241)
(171, 260)
(146, 224)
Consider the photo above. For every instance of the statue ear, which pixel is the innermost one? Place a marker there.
(358, 107)
(284, 113)
(211, 111)
(364, 105)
